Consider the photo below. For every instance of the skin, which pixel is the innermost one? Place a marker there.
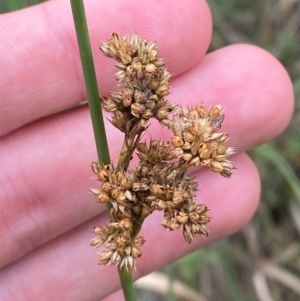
(46, 214)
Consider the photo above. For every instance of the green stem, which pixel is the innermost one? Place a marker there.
(96, 112)
(137, 226)
(90, 80)
(127, 284)
(129, 145)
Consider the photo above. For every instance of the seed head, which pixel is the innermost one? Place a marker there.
(144, 82)
(197, 140)
(160, 180)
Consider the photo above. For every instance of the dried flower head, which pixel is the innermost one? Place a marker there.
(161, 179)
(144, 82)
(197, 139)
(121, 249)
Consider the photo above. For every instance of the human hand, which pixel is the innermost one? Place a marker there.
(46, 214)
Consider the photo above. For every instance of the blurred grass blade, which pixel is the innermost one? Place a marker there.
(292, 252)
(230, 271)
(283, 166)
(295, 214)
(261, 287)
(170, 274)
(283, 276)
(159, 283)
(12, 5)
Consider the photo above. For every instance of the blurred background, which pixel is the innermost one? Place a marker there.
(262, 261)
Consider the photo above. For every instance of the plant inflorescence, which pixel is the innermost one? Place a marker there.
(161, 180)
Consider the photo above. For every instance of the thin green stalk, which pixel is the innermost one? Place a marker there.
(127, 151)
(127, 284)
(96, 113)
(90, 80)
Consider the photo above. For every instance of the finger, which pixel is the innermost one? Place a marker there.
(251, 84)
(118, 295)
(69, 264)
(54, 174)
(40, 59)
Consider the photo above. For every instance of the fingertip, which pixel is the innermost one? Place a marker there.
(239, 198)
(252, 86)
(183, 32)
(269, 99)
(47, 75)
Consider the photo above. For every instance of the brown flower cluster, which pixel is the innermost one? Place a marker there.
(143, 84)
(161, 180)
(197, 139)
(171, 189)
